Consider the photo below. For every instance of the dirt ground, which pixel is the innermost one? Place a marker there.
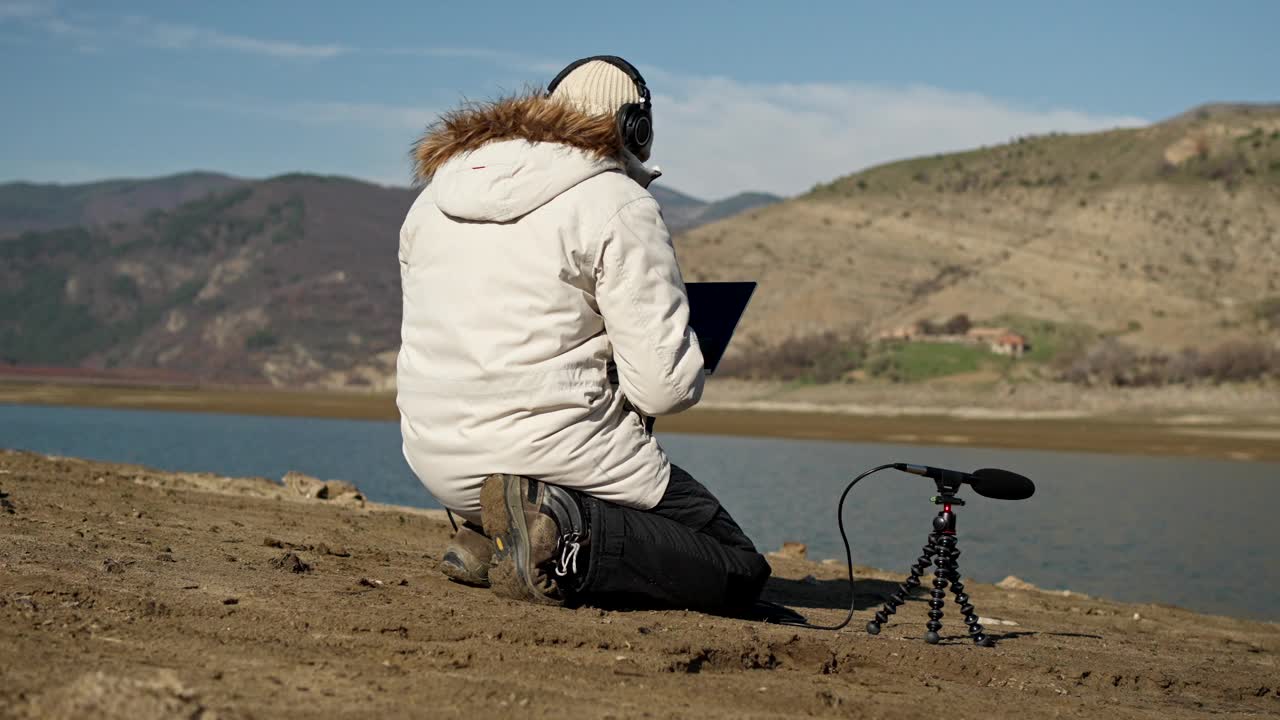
(127, 592)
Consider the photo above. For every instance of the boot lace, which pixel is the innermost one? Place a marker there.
(567, 563)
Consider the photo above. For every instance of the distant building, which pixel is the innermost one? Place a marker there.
(1011, 344)
(999, 340)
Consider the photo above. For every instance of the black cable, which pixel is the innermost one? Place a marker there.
(848, 557)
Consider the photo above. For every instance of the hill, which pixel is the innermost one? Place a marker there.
(34, 206)
(290, 280)
(684, 212)
(1167, 235)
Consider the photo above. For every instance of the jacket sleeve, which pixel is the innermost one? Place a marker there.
(642, 299)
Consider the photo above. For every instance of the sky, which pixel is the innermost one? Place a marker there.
(763, 96)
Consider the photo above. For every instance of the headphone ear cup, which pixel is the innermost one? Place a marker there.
(635, 126)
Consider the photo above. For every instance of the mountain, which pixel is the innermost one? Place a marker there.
(1167, 234)
(33, 206)
(46, 206)
(680, 211)
(684, 212)
(734, 205)
(291, 280)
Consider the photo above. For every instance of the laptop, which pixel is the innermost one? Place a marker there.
(714, 311)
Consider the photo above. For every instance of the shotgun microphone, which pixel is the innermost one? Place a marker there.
(987, 482)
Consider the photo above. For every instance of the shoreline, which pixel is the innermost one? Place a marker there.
(1216, 433)
(133, 592)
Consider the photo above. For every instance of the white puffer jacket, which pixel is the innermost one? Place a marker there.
(526, 268)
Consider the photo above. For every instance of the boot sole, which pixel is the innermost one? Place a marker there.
(459, 569)
(502, 512)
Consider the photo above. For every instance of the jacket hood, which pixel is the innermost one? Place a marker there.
(508, 179)
(494, 162)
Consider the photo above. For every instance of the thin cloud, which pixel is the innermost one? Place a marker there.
(501, 58)
(24, 10)
(716, 136)
(149, 32)
(174, 36)
(353, 115)
(161, 34)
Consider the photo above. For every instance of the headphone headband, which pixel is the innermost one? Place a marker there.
(613, 60)
(634, 120)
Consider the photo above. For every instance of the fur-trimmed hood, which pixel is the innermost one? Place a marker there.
(535, 118)
(496, 162)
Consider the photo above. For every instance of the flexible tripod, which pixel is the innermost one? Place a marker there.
(941, 551)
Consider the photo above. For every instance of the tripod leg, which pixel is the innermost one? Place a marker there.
(938, 596)
(962, 599)
(899, 596)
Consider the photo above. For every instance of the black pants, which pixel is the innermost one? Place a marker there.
(686, 552)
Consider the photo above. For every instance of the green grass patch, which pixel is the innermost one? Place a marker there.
(913, 362)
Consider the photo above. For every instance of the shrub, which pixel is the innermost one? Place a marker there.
(260, 340)
(186, 292)
(957, 325)
(1268, 311)
(822, 358)
(1237, 361)
(125, 287)
(1111, 363)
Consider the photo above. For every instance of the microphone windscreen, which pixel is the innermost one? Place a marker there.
(1002, 484)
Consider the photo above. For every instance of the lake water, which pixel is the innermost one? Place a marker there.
(1196, 533)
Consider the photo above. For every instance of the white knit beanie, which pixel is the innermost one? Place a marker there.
(597, 88)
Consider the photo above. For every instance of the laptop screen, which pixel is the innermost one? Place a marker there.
(714, 311)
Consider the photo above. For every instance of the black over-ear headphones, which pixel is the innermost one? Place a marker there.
(635, 120)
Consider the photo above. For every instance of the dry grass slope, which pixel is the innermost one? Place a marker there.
(1169, 234)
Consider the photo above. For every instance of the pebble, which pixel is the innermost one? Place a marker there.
(793, 550)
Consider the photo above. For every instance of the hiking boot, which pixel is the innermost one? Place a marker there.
(467, 557)
(537, 531)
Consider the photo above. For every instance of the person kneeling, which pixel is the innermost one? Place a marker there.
(535, 266)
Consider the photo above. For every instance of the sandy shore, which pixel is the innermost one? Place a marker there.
(1226, 423)
(128, 592)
